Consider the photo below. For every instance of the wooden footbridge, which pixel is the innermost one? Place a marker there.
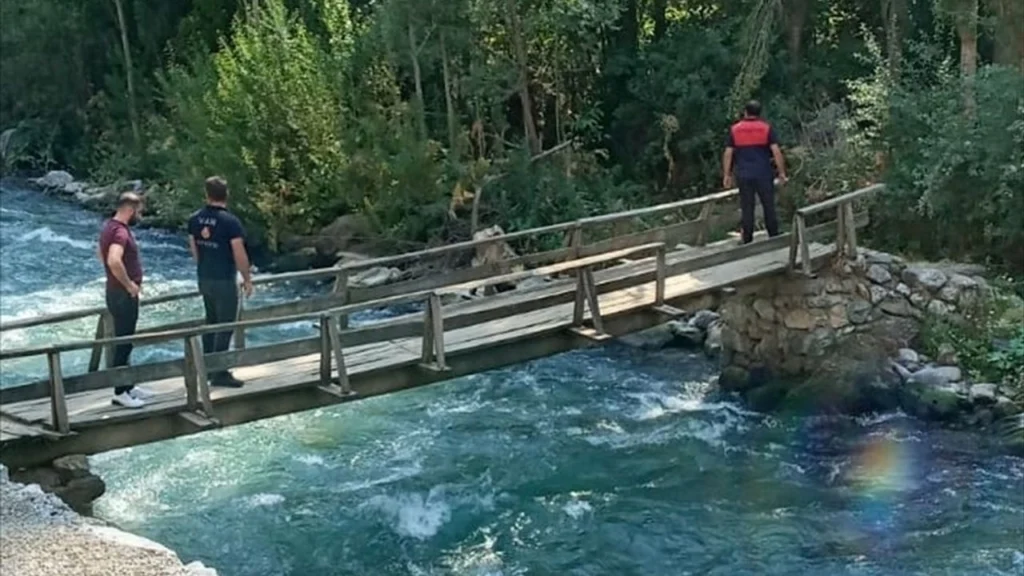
(600, 277)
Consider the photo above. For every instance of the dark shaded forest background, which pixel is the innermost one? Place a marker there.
(402, 109)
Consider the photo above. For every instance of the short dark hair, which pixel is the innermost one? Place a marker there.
(217, 189)
(129, 199)
(753, 108)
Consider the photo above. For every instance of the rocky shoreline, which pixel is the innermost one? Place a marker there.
(41, 536)
(841, 344)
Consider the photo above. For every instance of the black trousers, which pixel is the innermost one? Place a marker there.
(125, 311)
(750, 190)
(220, 298)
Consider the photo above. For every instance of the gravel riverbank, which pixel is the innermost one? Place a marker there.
(42, 536)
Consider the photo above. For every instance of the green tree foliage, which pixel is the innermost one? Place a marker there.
(437, 117)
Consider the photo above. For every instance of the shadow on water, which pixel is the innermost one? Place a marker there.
(603, 462)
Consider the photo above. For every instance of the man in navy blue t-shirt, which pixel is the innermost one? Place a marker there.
(217, 241)
(749, 150)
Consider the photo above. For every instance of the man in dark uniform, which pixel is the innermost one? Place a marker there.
(217, 242)
(749, 150)
(119, 253)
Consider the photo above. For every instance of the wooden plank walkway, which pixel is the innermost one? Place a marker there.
(591, 292)
(90, 409)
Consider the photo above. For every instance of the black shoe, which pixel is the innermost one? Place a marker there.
(226, 380)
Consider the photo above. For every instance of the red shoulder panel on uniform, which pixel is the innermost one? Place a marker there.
(750, 133)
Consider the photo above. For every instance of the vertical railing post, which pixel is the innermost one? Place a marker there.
(197, 385)
(590, 290)
(576, 239)
(805, 249)
(58, 403)
(437, 329)
(794, 242)
(840, 231)
(340, 289)
(433, 334)
(325, 350)
(240, 330)
(96, 357)
(334, 333)
(427, 353)
(577, 309)
(659, 278)
(851, 230)
(108, 332)
(705, 224)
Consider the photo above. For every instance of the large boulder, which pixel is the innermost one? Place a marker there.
(54, 180)
(342, 233)
(654, 338)
(686, 334)
(928, 278)
(935, 394)
(376, 276)
(713, 339)
(295, 261)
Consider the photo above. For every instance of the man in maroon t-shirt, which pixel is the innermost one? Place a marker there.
(119, 254)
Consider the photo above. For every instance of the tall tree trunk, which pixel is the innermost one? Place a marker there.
(129, 72)
(966, 19)
(519, 48)
(894, 13)
(796, 19)
(658, 8)
(1009, 32)
(453, 129)
(421, 111)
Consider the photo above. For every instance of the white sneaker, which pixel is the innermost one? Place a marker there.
(127, 400)
(141, 393)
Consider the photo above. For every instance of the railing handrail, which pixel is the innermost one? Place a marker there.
(418, 296)
(334, 271)
(839, 200)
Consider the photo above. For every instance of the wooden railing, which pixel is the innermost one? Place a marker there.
(196, 367)
(574, 258)
(574, 245)
(846, 226)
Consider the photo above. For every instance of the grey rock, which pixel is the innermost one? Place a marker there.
(946, 355)
(902, 372)
(944, 401)
(654, 338)
(984, 393)
(54, 180)
(878, 294)
(301, 259)
(919, 300)
(342, 233)
(377, 276)
(908, 357)
(71, 467)
(713, 339)
(929, 278)
(939, 308)
(859, 311)
(764, 309)
(686, 334)
(704, 318)
(899, 306)
(937, 376)
(734, 379)
(878, 274)
(1005, 408)
(902, 289)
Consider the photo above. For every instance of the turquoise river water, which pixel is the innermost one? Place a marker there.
(603, 462)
